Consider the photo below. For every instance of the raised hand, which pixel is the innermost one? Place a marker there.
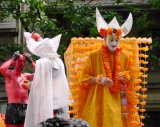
(25, 84)
(29, 58)
(121, 77)
(16, 55)
(106, 81)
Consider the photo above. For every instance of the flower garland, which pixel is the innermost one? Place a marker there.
(103, 32)
(113, 75)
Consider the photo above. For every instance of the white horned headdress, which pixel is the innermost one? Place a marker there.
(104, 28)
(45, 48)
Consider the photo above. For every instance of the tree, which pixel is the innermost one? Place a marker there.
(72, 19)
(52, 19)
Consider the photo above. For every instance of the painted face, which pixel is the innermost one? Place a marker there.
(112, 42)
(19, 64)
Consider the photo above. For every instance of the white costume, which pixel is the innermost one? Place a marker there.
(49, 89)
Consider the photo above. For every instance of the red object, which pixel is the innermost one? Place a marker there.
(2, 116)
(103, 32)
(36, 36)
(24, 86)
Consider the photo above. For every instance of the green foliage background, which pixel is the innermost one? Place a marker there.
(75, 20)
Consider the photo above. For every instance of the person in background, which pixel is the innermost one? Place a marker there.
(17, 85)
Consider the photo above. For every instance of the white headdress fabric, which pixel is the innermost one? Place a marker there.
(126, 27)
(101, 23)
(114, 23)
(45, 48)
(49, 91)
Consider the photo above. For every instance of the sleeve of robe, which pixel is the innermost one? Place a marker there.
(85, 75)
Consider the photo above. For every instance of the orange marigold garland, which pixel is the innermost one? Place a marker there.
(103, 32)
(113, 75)
(110, 31)
(119, 32)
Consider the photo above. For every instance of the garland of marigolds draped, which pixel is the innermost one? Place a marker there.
(76, 55)
(113, 75)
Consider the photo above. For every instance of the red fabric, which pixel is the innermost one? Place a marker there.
(2, 116)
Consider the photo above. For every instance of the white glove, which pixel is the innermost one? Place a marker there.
(27, 35)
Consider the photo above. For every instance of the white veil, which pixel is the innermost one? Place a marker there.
(49, 89)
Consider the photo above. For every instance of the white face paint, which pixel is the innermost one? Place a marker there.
(112, 42)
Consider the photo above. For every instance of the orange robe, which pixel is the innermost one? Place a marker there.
(97, 105)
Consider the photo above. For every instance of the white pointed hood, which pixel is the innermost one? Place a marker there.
(45, 48)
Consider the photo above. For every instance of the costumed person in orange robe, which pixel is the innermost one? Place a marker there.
(49, 92)
(104, 78)
(17, 85)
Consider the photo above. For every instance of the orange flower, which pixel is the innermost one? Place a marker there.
(137, 94)
(142, 110)
(142, 124)
(144, 83)
(143, 96)
(143, 89)
(110, 31)
(119, 32)
(103, 32)
(141, 117)
(143, 103)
